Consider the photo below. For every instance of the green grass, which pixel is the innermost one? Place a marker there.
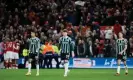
(57, 74)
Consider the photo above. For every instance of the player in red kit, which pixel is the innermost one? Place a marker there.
(5, 55)
(8, 50)
(5, 58)
(9, 53)
(16, 47)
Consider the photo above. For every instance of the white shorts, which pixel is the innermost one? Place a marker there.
(8, 55)
(5, 56)
(15, 55)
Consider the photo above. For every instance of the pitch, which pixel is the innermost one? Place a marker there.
(57, 74)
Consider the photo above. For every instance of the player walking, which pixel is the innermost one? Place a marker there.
(16, 47)
(65, 45)
(34, 47)
(121, 47)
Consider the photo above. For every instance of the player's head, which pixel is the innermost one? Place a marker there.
(46, 42)
(64, 32)
(120, 35)
(7, 39)
(33, 33)
(50, 41)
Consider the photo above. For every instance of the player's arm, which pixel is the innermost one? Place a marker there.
(38, 46)
(18, 46)
(60, 43)
(14, 47)
(116, 46)
(130, 42)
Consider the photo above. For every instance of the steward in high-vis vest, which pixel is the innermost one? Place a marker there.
(48, 52)
(25, 52)
(56, 55)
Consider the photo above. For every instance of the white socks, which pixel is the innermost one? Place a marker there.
(37, 68)
(118, 69)
(126, 69)
(29, 67)
(66, 68)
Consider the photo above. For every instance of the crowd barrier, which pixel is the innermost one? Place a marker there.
(90, 63)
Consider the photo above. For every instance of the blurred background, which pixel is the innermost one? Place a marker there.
(93, 25)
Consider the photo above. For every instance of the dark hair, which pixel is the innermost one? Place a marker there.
(121, 33)
(48, 41)
(65, 30)
(32, 31)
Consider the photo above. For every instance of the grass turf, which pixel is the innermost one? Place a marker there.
(57, 74)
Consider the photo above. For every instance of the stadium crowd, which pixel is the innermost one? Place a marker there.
(83, 19)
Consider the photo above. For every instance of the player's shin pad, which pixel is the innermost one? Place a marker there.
(37, 59)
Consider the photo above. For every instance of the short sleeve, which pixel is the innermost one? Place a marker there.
(125, 41)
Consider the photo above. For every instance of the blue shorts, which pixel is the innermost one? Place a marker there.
(55, 55)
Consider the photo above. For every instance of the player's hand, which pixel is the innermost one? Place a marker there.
(73, 55)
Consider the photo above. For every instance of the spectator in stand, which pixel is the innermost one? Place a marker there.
(113, 49)
(96, 45)
(108, 33)
(131, 29)
(117, 28)
(131, 45)
(90, 49)
(114, 36)
(100, 48)
(124, 30)
(81, 48)
(108, 48)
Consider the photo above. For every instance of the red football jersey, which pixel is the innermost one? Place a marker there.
(16, 47)
(9, 46)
